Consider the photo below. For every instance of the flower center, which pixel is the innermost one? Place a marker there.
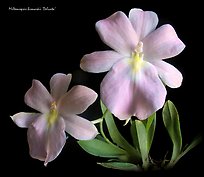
(53, 114)
(137, 57)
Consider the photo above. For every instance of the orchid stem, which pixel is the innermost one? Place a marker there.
(97, 121)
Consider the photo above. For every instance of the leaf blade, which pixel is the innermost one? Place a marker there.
(142, 139)
(100, 148)
(133, 132)
(172, 124)
(150, 129)
(116, 135)
(121, 166)
(192, 145)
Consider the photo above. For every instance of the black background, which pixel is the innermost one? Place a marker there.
(42, 43)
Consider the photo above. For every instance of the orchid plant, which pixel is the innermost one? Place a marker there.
(133, 90)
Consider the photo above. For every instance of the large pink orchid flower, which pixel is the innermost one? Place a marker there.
(58, 113)
(134, 84)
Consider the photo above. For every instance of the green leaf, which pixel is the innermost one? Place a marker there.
(172, 124)
(118, 138)
(114, 132)
(142, 139)
(148, 122)
(99, 137)
(150, 129)
(121, 166)
(193, 144)
(102, 149)
(133, 132)
(103, 107)
(116, 135)
(150, 125)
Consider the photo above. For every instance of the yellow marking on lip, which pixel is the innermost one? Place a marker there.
(137, 61)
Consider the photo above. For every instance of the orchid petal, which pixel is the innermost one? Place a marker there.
(171, 76)
(117, 32)
(59, 84)
(46, 142)
(144, 22)
(80, 128)
(77, 100)
(97, 62)
(24, 119)
(38, 98)
(37, 138)
(162, 43)
(128, 93)
(56, 140)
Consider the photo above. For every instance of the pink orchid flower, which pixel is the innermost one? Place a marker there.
(134, 84)
(58, 113)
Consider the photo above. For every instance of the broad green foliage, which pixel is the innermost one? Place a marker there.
(172, 124)
(100, 148)
(123, 155)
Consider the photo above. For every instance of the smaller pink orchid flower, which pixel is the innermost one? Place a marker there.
(134, 84)
(58, 113)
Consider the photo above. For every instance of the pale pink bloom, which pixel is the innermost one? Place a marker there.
(133, 86)
(58, 113)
